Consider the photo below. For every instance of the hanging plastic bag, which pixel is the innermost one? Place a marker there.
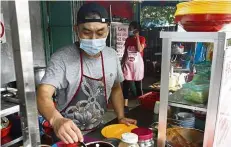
(200, 53)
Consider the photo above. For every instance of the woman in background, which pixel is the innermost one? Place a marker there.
(132, 62)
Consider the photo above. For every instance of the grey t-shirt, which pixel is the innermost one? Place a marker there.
(64, 71)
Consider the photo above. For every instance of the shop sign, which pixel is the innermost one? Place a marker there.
(121, 36)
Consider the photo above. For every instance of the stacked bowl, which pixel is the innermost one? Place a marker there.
(186, 120)
(203, 15)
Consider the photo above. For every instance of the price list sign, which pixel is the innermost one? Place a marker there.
(121, 36)
(223, 126)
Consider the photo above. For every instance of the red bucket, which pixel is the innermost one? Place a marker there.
(6, 131)
(148, 100)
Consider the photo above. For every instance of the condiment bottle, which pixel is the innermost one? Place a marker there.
(145, 137)
(156, 112)
(129, 140)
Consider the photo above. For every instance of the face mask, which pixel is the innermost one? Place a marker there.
(92, 46)
(130, 33)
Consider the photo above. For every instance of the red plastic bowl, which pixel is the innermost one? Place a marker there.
(203, 22)
(6, 131)
(148, 100)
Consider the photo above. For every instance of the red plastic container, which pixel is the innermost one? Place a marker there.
(148, 100)
(143, 133)
(203, 22)
(6, 131)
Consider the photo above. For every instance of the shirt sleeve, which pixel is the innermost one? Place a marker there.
(119, 77)
(143, 41)
(55, 73)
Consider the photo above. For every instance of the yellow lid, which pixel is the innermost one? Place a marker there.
(204, 7)
(116, 130)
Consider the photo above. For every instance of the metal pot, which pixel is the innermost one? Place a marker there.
(39, 72)
(99, 144)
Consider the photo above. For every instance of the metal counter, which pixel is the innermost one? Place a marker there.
(144, 119)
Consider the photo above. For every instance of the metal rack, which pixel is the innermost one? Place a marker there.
(219, 40)
(23, 59)
(8, 108)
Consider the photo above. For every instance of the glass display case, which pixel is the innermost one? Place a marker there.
(195, 102)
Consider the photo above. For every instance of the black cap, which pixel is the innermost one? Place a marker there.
(92, 8)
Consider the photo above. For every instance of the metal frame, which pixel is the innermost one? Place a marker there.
(8, 111)
(218, 38)
(23, 59)
(13, 142)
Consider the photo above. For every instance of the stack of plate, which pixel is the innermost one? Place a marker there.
(186, 120)
(203, 15)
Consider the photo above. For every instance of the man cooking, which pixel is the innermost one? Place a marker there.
(83, 75)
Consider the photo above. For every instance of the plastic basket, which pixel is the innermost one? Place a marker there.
(148, 100)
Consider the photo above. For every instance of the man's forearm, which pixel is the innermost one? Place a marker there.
(118, 100)
(46, 106)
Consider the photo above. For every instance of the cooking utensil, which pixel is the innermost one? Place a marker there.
(113, 141)
(99, 144)
(81, 144)
(116, 130)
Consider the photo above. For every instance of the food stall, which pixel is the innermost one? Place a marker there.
(25, 109)
(180, 98)
(205, 96)
(215, 106)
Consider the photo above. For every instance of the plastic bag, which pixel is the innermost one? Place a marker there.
(203, 67)
(201, 78)
(200, 53)
(197, 93)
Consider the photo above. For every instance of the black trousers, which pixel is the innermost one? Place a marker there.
(127, 85)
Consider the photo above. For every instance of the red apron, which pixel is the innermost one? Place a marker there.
(88, 105)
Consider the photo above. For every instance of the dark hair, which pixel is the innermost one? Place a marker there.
(135, 25)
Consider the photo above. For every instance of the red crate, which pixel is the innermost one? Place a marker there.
(148, 100)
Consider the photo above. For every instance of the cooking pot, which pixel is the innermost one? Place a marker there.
(39, 72)
(99, 144)
(90, 144)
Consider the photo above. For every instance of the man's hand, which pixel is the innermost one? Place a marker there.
(67, 131)
(127, 121)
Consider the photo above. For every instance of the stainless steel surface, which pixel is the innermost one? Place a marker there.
(177, 100)
(181, 70)
(163, 108)
(7, 62)
(8, 108)
(37, 34)
(218, 38)
(39, 72)
(110, 14)
(187, 107)
(191, 36)
(23, 58)
(12, 142)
